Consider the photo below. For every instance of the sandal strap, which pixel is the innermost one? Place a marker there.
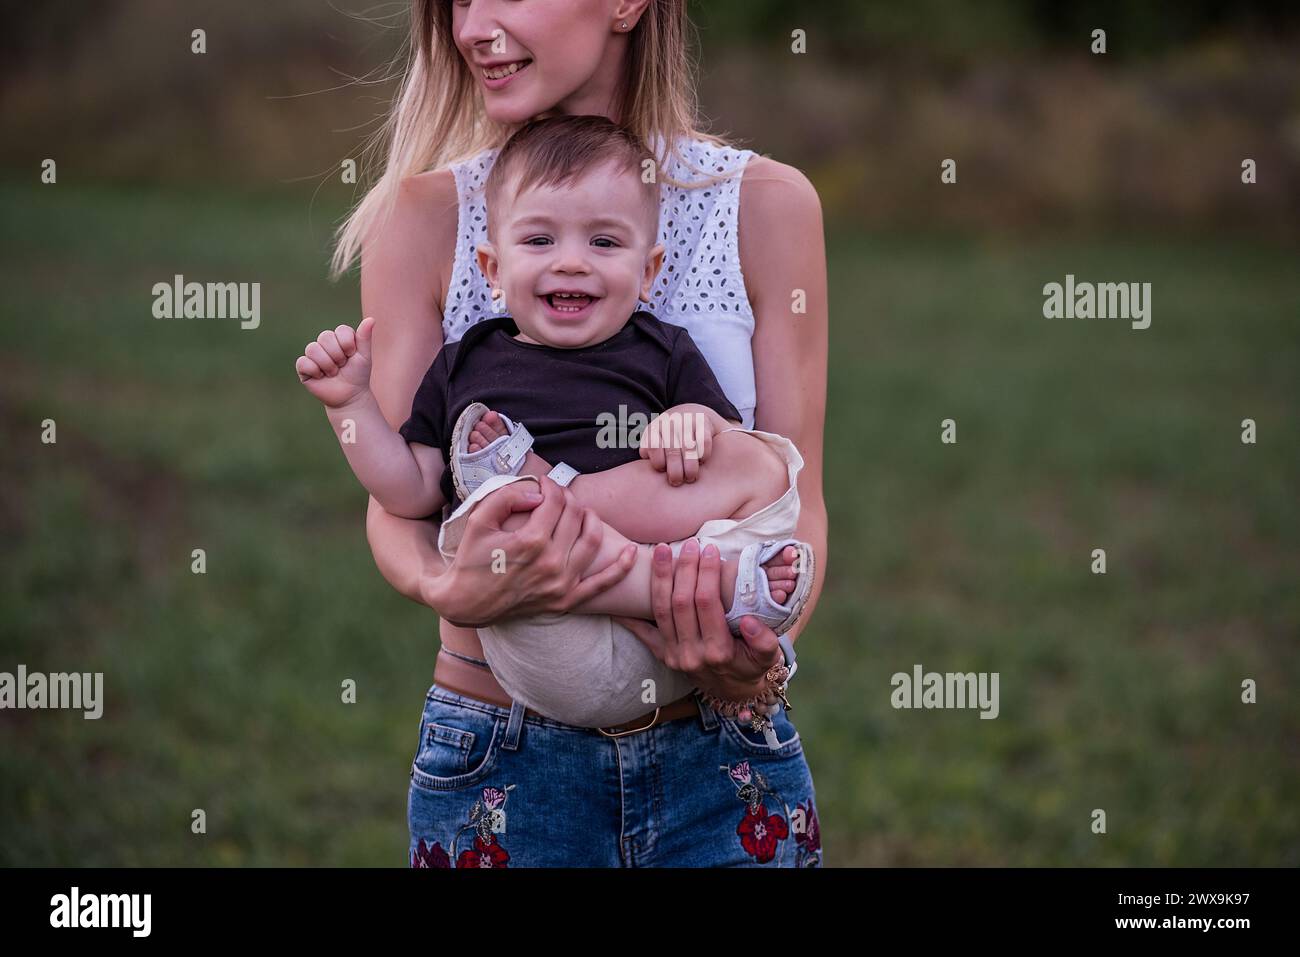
(563, 474)
(510, 456)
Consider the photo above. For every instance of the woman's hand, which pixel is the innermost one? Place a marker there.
(692, 634)
(540, 563)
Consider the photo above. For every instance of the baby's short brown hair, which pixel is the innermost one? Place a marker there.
(561, 149)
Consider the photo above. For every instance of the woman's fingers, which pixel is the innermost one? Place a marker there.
(648, 634)
(587, 547)
(717, 641)
(540, 527)
(610, 575)
(685, 621)
(760, 644)
(661, 592)
(490, 514)
(567, 529)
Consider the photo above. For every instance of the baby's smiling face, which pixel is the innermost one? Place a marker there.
(574, 259)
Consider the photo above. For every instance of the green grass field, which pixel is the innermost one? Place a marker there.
(1119, 692)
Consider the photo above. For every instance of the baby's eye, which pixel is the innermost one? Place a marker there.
(604, 242)
(537, 240)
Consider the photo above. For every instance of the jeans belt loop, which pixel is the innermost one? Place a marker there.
(708, 717)
(514, 726)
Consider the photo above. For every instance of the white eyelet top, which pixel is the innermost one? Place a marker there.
(700, 286)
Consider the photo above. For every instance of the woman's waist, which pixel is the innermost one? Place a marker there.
(463, 641)
(468, 674)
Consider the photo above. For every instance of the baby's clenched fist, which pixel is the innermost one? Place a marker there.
(336, 367)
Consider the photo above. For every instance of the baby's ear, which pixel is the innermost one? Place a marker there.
(487, 262)
(654, 261)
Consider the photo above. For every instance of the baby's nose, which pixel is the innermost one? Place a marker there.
(572, 263)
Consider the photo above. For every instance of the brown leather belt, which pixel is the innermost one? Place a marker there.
(475, 681)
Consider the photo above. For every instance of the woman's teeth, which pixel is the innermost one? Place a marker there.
(501, 72)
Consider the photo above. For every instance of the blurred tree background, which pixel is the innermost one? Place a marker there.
(1144, 136)
(1119, 691)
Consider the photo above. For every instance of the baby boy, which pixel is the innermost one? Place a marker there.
(572, 249)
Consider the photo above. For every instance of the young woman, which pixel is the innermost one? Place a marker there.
(494, 783)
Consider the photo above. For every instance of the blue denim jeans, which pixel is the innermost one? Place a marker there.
(491, 787)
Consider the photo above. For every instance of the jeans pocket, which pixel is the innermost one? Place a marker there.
(755, 743)
(459, 746)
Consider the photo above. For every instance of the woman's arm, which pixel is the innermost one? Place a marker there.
(783, 256)
(404, 271)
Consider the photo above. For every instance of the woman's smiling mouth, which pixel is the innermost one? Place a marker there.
(499, 74)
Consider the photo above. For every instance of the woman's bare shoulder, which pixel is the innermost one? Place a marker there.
(779, 227)
(771, 191)
(432, 193)
(412, 251)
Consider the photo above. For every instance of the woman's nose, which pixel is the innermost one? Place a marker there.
(479, 26)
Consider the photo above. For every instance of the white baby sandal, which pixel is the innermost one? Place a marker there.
(504, 455)
(754, 597)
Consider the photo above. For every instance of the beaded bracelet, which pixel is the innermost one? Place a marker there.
(760, 706)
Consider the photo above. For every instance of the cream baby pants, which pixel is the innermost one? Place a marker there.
(585, 669)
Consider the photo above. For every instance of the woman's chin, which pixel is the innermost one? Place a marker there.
(512, 109)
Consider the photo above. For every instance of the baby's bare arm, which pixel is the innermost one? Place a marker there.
(404, 478)
(335, 368)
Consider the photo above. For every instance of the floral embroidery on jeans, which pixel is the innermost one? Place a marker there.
(487, 819)
(807, 835)
(487, 853)
(426, 856)
(760, 833)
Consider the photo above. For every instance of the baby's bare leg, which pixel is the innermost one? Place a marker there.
(742, 475)
(631, 596)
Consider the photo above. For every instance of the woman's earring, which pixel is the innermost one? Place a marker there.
(623, 25)
(498, 300)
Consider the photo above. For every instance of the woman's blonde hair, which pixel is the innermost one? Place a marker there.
(437, 116)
